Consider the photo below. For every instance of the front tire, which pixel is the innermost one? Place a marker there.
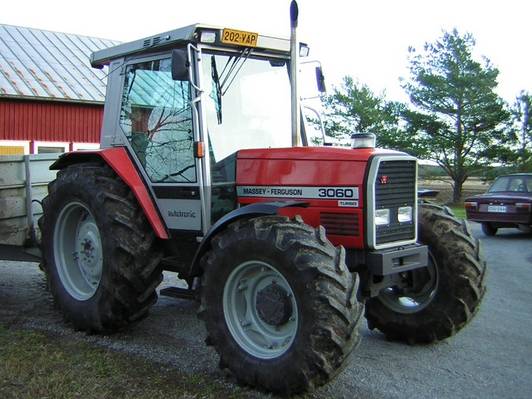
(101, 257)
(449, 291)
(279, 304)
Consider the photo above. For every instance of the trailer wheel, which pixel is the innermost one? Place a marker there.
(100, 255)
(444, 296)
(279, 304)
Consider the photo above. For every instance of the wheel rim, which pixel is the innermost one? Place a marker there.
(260, 309)
(413, 302)
(78, 251)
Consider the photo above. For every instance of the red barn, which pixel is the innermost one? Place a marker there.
(51, 100)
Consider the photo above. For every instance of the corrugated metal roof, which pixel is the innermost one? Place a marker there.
(47, 65)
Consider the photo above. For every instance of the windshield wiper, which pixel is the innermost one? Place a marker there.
(218, 88)
(234, 68)
(223, 81)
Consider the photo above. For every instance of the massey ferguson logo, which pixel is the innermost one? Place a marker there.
(383, 179)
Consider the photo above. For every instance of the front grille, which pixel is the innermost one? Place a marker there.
(395, 186)
(341, 224)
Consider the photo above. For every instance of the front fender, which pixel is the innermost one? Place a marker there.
(248, 211)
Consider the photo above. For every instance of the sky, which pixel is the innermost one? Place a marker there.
(367, 40)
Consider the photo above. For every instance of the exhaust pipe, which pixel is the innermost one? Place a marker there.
(294, 61)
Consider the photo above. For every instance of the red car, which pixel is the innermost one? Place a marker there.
(507, 203)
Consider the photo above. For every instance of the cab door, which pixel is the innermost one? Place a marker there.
(157, 120)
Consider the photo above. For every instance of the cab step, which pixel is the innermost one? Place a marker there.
(181, 293)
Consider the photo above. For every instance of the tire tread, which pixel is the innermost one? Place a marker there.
(461, 265)
(333, 296)
(128, 291)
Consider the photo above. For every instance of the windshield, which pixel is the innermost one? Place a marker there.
(248, 102)
(521, 184)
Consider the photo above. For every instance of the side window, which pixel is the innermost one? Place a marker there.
(156, 117)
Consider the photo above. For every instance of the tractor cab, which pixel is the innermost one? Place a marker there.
(184, 102)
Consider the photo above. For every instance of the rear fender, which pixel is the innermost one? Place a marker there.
(424, 193)
(118, 159)
(246, 212)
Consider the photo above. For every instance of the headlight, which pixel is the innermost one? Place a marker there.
(382, 217)
(208, 36)
(404, 214)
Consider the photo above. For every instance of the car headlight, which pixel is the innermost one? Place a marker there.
(404, 214)
(382, 217)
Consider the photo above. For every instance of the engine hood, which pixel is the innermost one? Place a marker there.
(315, 153)
(305, 166)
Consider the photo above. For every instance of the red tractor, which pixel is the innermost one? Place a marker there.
(285, 246)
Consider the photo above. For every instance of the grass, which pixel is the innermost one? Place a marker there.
(35, 365)
(458, 211)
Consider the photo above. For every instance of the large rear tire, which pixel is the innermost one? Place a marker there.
(279, 304)
(101, 257)
(446, 294)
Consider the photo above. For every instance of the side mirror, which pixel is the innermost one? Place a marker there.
(180, 65)
(320, 80)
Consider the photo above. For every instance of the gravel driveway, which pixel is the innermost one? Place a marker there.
(491, 358)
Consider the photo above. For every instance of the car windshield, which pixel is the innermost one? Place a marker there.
(248, 102)
(519, 183)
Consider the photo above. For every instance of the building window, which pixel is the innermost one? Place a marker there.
(50, 147)
(14, 147)
(85, 146)
(49, 150)
(11, 150)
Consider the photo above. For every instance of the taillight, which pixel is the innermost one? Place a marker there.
(470, 205)
(526, 206)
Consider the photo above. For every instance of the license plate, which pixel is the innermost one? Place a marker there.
(239, 37)
(497, 208)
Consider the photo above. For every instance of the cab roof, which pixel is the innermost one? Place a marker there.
(187, 34)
